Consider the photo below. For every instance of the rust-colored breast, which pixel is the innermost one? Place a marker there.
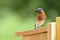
(40, 16)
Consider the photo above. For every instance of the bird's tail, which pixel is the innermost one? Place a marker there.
(35, 26)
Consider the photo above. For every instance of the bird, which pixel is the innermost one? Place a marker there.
(40, 18)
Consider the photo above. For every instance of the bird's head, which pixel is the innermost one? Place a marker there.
(39, 10)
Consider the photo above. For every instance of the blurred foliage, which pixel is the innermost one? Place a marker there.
(27, 7)
(19, 15)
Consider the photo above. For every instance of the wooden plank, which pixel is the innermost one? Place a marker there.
(42, 36)
(30, 32)
(51, 30)
(28, 37)
(57, 28)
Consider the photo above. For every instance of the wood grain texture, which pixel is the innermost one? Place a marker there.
(31, 32)
(49, 31)
(51, 27)
(57, 28)
(42, 36)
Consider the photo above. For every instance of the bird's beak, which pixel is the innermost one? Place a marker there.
(36, 11)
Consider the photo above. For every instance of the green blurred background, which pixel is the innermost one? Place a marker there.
(19, 15)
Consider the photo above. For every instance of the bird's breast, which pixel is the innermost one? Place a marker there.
(40, 17)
